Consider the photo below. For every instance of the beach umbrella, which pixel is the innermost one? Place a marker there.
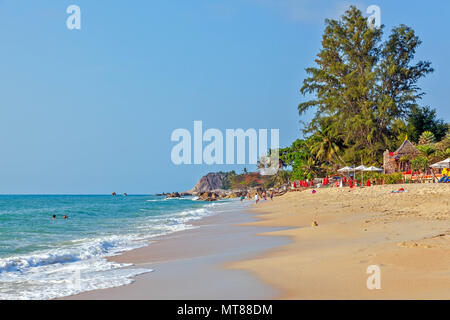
(346, 169)
(373, 169)
(442, 164)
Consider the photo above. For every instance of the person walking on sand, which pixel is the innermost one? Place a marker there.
(256, 198)
(271, 195)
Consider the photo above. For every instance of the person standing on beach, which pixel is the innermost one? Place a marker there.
(271, 195)
(256, 198)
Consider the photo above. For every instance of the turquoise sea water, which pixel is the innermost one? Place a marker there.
(41, 258)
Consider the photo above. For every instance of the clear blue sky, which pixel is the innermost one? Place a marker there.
(92, 111)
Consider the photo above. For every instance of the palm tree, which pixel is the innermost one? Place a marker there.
(427, 137)
(310, 168)
(425, 164)
(325, 146)
(420, 163)
(280, 179)
(426, 150)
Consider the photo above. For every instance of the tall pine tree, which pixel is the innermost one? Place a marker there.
(361, 85)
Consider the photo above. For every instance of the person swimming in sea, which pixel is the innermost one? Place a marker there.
(54, 217)
(65, 217)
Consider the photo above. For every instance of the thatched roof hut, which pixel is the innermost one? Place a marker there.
(392, 162)
(407, 149)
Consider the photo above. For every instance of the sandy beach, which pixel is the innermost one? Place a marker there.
(406, 234)
(273, 251)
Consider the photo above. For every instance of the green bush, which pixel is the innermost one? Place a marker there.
(393, 178)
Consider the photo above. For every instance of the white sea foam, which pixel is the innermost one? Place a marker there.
(67, 271)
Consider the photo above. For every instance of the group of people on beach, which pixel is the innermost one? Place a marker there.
(257, 196)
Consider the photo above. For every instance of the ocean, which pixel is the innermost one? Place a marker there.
(42, 258)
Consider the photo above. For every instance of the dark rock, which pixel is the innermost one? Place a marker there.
(173, 195)
(212, 181)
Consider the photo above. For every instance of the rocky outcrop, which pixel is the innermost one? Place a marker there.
(220, 194)
(212, 181)
(208, 196)
(173, 195)
(214, 186)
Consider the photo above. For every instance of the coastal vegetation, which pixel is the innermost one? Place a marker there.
(363, 89)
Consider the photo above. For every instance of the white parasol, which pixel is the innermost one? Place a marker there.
(346, 169)
(442, 164)
(373, 169)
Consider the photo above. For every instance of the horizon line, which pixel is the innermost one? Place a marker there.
(76, 194)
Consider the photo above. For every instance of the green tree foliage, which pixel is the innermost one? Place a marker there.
(427, 150)
(301, 160)
(420, 163)
(361, 87)
(392, 178)
(427, 138)
(227, 179)
(326, 144)
(299, 148)
(281, 178)
(425, 119)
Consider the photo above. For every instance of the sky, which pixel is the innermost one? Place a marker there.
(91, 111)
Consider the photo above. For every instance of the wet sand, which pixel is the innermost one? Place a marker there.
(192, 264)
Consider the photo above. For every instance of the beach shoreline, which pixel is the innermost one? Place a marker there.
(192, 264)
(406, 235)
